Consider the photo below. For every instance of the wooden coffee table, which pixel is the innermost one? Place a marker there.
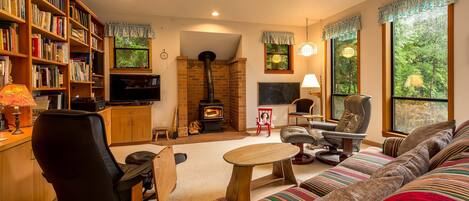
(245, 158)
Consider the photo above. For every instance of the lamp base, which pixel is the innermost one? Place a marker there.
(18, 130)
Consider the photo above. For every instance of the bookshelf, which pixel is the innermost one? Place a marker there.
(58, 48)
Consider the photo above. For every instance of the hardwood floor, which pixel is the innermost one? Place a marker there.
(228, 134)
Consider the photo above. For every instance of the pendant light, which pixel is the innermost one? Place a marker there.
(307, 48)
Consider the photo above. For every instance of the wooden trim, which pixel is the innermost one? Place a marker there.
(290, 64)
(329, 91)
(111, 52)
(393, 134)
(372, 143)
(386, 85)
(451, 62)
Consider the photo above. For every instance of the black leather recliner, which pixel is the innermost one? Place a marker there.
(71, 149)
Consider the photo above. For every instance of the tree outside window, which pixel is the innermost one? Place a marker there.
(344, 73)
(420, 70)
(131, 52)
(278, 58)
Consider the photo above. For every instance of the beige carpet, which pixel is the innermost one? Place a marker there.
(205, 175)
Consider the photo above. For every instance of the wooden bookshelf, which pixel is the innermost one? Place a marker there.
(23, 59)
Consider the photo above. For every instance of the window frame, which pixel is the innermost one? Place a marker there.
(290, 62)
(113, 58)
(330, 67)
(388, 77)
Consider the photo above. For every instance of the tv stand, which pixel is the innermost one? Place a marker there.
(133, 103)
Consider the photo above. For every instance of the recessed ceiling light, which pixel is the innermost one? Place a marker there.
(215, 13)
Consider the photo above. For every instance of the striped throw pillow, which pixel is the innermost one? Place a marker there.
(449, 151)
(391, 146)
(462, 131)
(448, 182)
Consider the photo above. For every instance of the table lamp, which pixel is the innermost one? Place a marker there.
(16, 96)
(310, 81)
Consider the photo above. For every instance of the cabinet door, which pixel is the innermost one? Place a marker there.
(121, 126)
(141, 124)
(16, 173)
(107, 116)
(43, 190)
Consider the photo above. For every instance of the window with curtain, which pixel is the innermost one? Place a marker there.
(131, 52)
(344, 72)
(278, 58)
(419, 81)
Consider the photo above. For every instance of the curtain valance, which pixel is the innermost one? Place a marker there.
(345, 28)
(279, 38)
(129, 30)
(404, 8)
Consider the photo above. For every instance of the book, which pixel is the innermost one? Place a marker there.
(47, 76)
(79, 15)
(49, 22)
(80, 68)
(47, 49)
(9, 36)
(5, 71)
(14, 7)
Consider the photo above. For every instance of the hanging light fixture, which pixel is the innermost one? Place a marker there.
(307, 48)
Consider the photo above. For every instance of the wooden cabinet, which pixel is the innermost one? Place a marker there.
(16, 169)
(43, 190)
(107, 116)
(131, 124)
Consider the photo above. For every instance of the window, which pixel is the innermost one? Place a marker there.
(278, 58)
(344, 71)
(131, 53)
(419, 70)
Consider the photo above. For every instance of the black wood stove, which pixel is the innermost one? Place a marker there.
(211, 113)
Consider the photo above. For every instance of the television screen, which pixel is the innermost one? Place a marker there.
(131, 88)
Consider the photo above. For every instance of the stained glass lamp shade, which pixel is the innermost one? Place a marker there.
(16, 96)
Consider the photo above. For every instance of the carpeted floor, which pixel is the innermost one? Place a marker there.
(205, 175)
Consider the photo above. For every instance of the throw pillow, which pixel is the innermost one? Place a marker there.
(425, 132)
(438, 142)
(371, 189)
(410, 165)
(451, 150)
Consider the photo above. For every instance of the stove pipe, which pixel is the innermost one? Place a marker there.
(207, 57)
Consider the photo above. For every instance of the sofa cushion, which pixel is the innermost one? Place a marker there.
(425, 132)
(391, 145)
(332, 179)
(462, 131)
(367, 161)
(410, 165)
(438, 142)
(448, 182)
(371, 189)
(292, 194)
(453, 149)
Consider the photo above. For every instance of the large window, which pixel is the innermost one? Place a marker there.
(131, 52)
(419, 82)
(344, 54)
(278, 58)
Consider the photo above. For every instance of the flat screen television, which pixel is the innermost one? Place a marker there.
(134, 88)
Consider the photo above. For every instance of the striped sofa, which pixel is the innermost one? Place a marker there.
(447, 180)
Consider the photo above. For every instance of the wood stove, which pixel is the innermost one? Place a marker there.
(211, 113)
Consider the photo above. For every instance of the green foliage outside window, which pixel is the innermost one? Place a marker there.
(344, 72)
(420, 70)
(131, 52)
(278, 57)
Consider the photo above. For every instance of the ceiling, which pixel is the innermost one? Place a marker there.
(278, 12)
(193, 43)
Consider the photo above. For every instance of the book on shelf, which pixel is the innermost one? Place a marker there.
(9, 36)
(48, 101)
(5, 71)
(47, 49)
(80, 68)
(94, 43)
(14, 7)
(79, 15)
(80, 35)
(47, 76)
(49, 22)
(94, 28)
(60, 4)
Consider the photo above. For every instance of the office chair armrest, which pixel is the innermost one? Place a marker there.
(323, 125)
(343, 135)
(133, 174)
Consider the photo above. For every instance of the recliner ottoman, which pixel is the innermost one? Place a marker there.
(298, 136)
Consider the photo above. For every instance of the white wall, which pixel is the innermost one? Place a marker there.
(168, 37)
(371, 72)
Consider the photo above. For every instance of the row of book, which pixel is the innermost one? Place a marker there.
(95, 29)
(47, 76)
(48, 101)
(14, 7)
(79, 15)
(80, 70)
(5, 70)
(47, 49)
(49, 22)
(60, 4)
(94, 43)
(80, 35)
(9, 36)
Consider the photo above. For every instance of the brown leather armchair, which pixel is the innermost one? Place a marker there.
(303, 106)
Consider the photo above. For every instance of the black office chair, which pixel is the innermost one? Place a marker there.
(71, 149)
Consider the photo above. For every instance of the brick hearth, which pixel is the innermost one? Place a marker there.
(230, 88)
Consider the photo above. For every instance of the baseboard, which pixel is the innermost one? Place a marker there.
(372, 143)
